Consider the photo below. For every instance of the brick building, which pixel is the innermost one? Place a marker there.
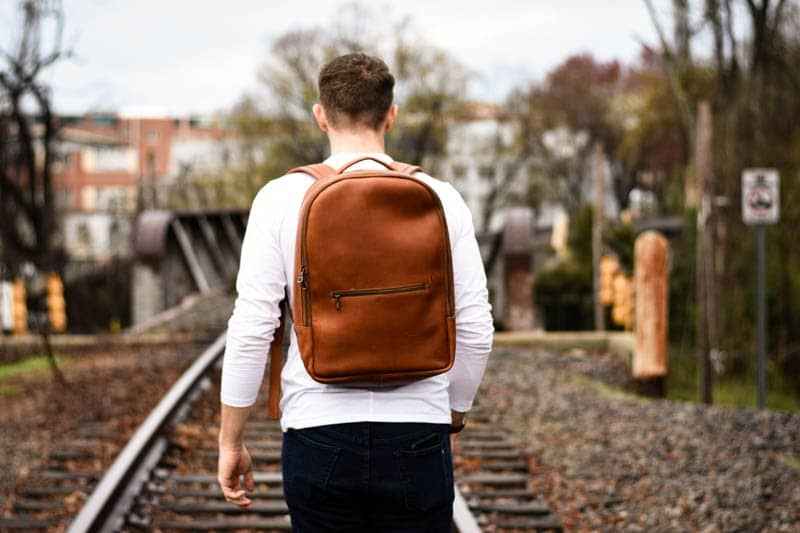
(106, 157)
(113, 163)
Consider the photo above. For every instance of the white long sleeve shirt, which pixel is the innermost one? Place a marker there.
(267, 268)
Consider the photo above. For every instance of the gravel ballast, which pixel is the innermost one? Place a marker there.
(607, 460)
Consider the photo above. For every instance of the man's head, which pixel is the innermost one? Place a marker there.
(356, 92)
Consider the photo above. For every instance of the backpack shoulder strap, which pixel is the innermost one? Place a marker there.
(405, 168)
(275, 366)
(317, 171)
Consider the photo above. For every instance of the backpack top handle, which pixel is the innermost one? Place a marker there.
(396, 166)
(343, 168)
(321, 170)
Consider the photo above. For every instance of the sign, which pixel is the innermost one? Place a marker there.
(760, 196)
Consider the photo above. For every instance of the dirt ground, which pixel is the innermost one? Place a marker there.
(114, 390)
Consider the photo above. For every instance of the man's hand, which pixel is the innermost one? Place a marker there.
(234, 459)
(233, 463)
(457, 421)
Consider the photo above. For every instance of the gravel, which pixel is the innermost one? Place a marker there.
(607, 460)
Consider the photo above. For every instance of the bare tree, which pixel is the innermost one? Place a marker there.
(682, 31)
(28, 130)
(753, 82)
(555, 124)
(277, 125)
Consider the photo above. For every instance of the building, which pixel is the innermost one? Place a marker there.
(113, 164)
(478, 163)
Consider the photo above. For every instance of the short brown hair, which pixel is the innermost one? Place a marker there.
(357, 88)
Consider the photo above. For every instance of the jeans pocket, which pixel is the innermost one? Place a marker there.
(307, 467)
(427, 473)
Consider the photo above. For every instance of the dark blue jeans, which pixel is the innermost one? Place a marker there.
(369, 476)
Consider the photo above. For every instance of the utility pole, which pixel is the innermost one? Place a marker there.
(705, 256)
(598, 182)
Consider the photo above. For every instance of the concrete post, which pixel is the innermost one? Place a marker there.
(518, 265)
(147, 292)
(649, 369)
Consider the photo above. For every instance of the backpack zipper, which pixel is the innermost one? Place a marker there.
(303, 277)
(338, 295)
(303, 281)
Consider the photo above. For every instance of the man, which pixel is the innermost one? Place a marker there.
(354, 458)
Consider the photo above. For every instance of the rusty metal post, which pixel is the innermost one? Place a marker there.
(649, 368)
(517, 260)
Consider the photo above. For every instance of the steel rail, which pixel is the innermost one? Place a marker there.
(100, 506)
(109, 503)
(463, 519)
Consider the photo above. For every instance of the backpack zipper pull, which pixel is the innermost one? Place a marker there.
(301, 278)
(338, 298)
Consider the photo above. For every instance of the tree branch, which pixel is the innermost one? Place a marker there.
(732, 42)
(50, 129)
(7, 187)
(687, 116)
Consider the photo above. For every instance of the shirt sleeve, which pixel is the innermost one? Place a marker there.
(474, 327)
(260, 287)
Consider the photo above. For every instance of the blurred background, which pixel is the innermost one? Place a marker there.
(109, 109)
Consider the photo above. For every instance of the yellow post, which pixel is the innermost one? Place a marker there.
(20, 308)
(622, 309)
(609, 266)
(56, 307)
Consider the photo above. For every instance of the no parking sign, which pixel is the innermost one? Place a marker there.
(760, 196)
(760, 207)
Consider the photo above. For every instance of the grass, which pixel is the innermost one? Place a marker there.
(9, 390)
(606, 391)
(616, 393)
(36, 367)
(792, 462)
(737, 390)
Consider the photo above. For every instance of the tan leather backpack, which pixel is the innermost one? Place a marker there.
(374, 300)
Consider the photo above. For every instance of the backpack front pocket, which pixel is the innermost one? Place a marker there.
(338, 295)
(381, 333)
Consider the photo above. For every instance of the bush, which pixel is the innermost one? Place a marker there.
(563, 292)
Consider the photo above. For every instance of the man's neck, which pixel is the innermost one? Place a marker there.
(356, 142)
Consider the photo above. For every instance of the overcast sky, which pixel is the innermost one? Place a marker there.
(198, 56)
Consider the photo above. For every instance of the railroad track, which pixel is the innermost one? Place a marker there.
(164, 479)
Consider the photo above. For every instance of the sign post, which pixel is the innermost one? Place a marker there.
(760, 207)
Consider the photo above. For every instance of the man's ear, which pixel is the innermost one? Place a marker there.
(391, 116)
(319, 115)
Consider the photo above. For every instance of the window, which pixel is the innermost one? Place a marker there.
(83, 237)
(65, 198)
(105, 120)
